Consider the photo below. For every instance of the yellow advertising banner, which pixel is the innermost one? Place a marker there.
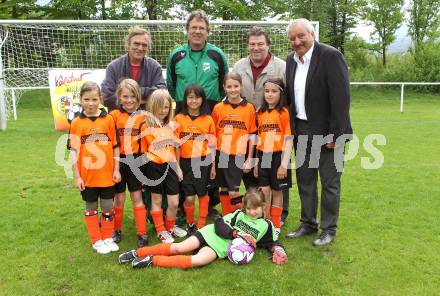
(65, 85)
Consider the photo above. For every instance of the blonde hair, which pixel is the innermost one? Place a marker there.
(90, 86)
(155, 103)
(254, 198)
(130, 85)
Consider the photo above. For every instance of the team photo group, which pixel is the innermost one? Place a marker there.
(194, 137)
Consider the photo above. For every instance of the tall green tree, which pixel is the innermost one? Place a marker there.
(228, 9)
(424, 20)
(385, 16)
(73, 9)
(20, 9)
(342, 16)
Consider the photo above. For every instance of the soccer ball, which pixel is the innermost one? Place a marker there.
(240, 252)
(73, 112)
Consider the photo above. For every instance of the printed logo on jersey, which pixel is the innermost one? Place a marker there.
(128, 132)
(99, 137)
(191, 136)
(156, 145)
(237, 124)
(247, 229)
(264, 128)
(206, 67)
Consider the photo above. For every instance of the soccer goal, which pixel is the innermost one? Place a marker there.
(28, 49)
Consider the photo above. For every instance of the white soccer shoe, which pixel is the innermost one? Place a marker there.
(110, 243)
(100, 247)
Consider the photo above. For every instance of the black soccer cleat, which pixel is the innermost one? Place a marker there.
(142, 241)
(127, 257)
(117, 236)
(191, 229)
(142, 262)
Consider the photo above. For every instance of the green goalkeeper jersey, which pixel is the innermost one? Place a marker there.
(218, 236)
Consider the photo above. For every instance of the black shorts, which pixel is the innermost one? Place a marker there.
(93, 193)
(162, 178)
(267, 171)
(229, 170)
(202, 241)
(195, 176)
(128, 179)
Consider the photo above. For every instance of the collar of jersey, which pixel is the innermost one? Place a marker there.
(122, 110)
(191, 50)
(102, 114)
(243, 102)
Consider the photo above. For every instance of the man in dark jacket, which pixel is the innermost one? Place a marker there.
(319, 90)
(135, 65)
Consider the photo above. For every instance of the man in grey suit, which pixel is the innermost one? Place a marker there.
(319, 91)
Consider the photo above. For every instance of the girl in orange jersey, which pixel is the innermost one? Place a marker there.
(274, 148)
(162, 170)
(196, 130)
(235, 124)
(129, 118)
(94, 147)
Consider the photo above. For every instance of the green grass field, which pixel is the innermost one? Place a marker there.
(388, 240)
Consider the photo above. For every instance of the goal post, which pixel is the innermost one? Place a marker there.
(29, 48)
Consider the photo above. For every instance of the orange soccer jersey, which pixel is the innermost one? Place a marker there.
(94, 138)
(195, 134)
(161, 143)
(273, 127)
(128, 126)
(233, 124)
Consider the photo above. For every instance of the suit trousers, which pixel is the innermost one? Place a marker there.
(313, 158)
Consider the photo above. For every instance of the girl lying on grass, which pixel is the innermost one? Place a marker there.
(212, 241)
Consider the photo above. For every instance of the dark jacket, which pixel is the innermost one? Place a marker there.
(327, 93)
(150, 78)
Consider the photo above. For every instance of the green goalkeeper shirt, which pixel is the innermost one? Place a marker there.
(218, 236)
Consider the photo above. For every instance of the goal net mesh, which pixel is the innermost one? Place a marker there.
(30, 49)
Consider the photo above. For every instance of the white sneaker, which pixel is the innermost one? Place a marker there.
(178, 232)
(100, 247)
(110, 243)
(165, 237)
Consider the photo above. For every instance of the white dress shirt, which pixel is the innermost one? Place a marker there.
(300, 82)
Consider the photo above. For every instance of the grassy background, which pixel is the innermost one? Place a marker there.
(387, 243)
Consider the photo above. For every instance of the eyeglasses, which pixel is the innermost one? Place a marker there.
(195, 28)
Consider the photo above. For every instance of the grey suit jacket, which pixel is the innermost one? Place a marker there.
(327, 93)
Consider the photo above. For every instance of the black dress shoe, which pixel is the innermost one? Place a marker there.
(324, 239)
(301, 231)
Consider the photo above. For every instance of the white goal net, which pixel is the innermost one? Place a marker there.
(30, 48)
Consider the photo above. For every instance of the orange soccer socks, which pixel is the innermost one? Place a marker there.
(225, 201)
(203, 210)
(119, 215)
(160, 249)
(275, 216)
(189, 213)
(92, 223)
(107, 224)
(140, 213)
(158, 220)
(179, 261)
(169, 224)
